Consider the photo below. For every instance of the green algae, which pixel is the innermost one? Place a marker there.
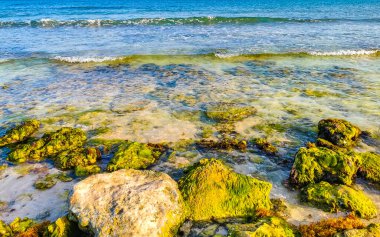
(87, 170)
(268, 227)
(78, 157)
(339, 132)
(46, 182)
(315, 164)
(229, 112)
(133, 155)
(335, 198)
(36, 230)
(211, 190)
(5, 230)
(20, 133)
(226, 143)
(265, 146)
(50, 145)
(19, 225)
(370, 167)
(372, 230)
(63, 227)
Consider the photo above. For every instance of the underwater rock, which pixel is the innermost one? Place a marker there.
(339, 132)
(78, 157)
(331, 227)
(128, 203)
(134, 155)
(50, 145)
(45, 183)
(63, 227)
(265, 146)
(229, 112)
(20, 133)
(335, 198)
(268, 226)
(370, 167)
(315, 164)
(372, 230)
(223, 144)
(87, 170)
(212, 190)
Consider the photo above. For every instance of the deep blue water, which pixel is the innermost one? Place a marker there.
(116, 28)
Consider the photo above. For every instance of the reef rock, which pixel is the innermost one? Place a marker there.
(212, 190)
(128, 203)
(339, 132)
(20, 133)
(315, 164)
(339, 197)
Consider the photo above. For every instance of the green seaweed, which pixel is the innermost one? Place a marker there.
(19, 225)
(212, 190)
(229, 112)
(46, 182)
(87, 170)
(5, 230)
(339, 132)
(79, 157)
(264, 145)
(334, 198)
(370, 167)
(63, 227)
(20, 133)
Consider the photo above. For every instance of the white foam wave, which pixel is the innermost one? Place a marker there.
(345, 53)
(226, 55)
(78, 59)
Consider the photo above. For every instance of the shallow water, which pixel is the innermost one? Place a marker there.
(147, 71)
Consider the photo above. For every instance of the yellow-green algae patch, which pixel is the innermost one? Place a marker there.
(20, 133)
(79, 157)
(229, 112)
(63, 227)
(87, 170)
(213, 190)
(370, 167)
(339, 197)
(339, 132)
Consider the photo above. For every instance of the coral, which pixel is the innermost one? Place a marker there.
(370, 167)
(212, 190)
(134, 155)
(79, 157)
(268, 226)
(229, 112)
(264, 145)
(315, 164)
(50, 145)
(87, 170)
(20, 133)
(339, 132)
(339, 197)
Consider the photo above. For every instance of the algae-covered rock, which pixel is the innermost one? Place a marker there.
(339, 132)
(36, 230)
(46, 182)
(19, 225)
(315, 164)
(133, 155)
(20, 133)
(223, 144)
(213, 190)
(63, 227)
(372, 230)
(370, 167)
(50, 145)
(128, 203)
(5, 230)
(79, 157)
(268, 227)
(87, 170)
(339, 197)
(264, 145)
(229, 112)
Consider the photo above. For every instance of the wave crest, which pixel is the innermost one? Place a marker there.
(78, 59)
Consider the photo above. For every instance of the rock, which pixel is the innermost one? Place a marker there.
(63, 227)
(223, 144)
(268, 226)
(78, 157)
(5, 230)
(50, 145)
(339, 197)
(87, 170)
(370, 167)
(315, 164)
(133, 155)
(36, 230)
(339, 132)
(372, 230)
(45, 183)
(19, 225)
(20, 133)
(229, 112)
(128, 203)
(212, 190)
(265, 146)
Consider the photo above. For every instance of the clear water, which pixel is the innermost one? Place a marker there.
(146, 71)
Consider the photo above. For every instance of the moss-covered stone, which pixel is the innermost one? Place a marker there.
(50, 145)
(212, 190)
(79, 157)
(331, 227)
(268, 227)
(133, 155)
(339, 197)
(229, 112)
(19, 225)
(5, 230)
(87, 170)
(315, 164)
(339, 132)
(63, 227)
(20, 133)
(223, 144)
(370, 167)
(265, 146)
(36, 230)
(372, 230)
(46, 182)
